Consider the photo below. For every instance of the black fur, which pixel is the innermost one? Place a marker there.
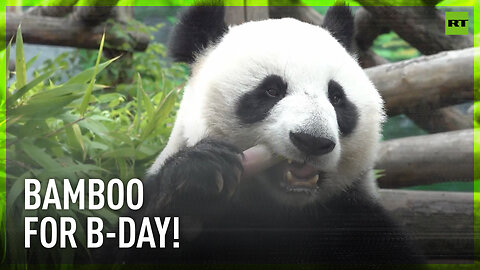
(211, 167)
(256, 104)
(347, 114)
(339, 22)
(198, 27)
(349, 228)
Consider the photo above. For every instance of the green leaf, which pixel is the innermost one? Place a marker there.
(22, 91)
(21, 70)
(136, 122)
(3, 88)
(74, 136)
(86, 75)
(31, 61)
(148, 104)
(107, 215)
(64, 90)
(43, 108)
(162, 112)
(14, 192)
(38, 155)
(8, 57)
(92, 124)
(81, 231)
(122, 152)
(73, 169)
(88, 93)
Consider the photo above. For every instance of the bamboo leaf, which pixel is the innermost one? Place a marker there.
(147, 103)
(8, 57)
(73, 169)
(64, 90)
(107, 215)
(21, 70)
(162, 112)
(38, 155)
(3, 89)
(22, 91)
(123, 152)
(31, 61)
(136, 121)
(86, 75)
(78, 135)
(81, 231)
(44, 108)
(14, 192)
(74, 136)
(88, 93)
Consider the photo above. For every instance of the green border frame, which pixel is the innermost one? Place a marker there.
(458, 3)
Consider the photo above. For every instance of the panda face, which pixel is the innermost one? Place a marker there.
(293, 87)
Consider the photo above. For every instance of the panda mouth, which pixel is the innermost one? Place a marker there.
(301, 176)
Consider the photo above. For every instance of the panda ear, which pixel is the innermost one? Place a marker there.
(197, 28)
(339, 22)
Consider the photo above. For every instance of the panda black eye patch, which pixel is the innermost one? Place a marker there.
(347, 114)
(255, 105)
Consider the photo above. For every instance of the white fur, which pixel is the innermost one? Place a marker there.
(307, 57)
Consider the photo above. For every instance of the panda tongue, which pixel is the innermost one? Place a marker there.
(302, 171)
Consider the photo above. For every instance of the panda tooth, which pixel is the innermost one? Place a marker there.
(290, 179)
(313, 180)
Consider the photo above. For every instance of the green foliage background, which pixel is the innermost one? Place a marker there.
(108, 120)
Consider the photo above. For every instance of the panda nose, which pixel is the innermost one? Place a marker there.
(311, 145)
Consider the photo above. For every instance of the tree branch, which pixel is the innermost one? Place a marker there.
(91, 15)
(49, 11)
(440, 223)
(301, 13)
(428, 82)
(367, 28)
(422, 26)
(66, 32)
(441, 120)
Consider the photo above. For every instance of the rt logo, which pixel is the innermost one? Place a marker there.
(456, 23)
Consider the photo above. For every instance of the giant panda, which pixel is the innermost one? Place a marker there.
(296, 89)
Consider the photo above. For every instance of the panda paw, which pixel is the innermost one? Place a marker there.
(211, 167)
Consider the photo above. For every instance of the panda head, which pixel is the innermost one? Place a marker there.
(287, 84)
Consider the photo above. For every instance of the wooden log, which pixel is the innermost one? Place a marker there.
(50, 11)
(427, 82)
(441, 224)
(423, 28)
(426, 159)
(256, 13)
(301, 13)
(367, 28)
(92, 15)
(235, 15)
(66, 32)
(442, 120)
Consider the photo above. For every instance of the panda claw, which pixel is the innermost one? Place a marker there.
(219, 182)
(238, 174)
